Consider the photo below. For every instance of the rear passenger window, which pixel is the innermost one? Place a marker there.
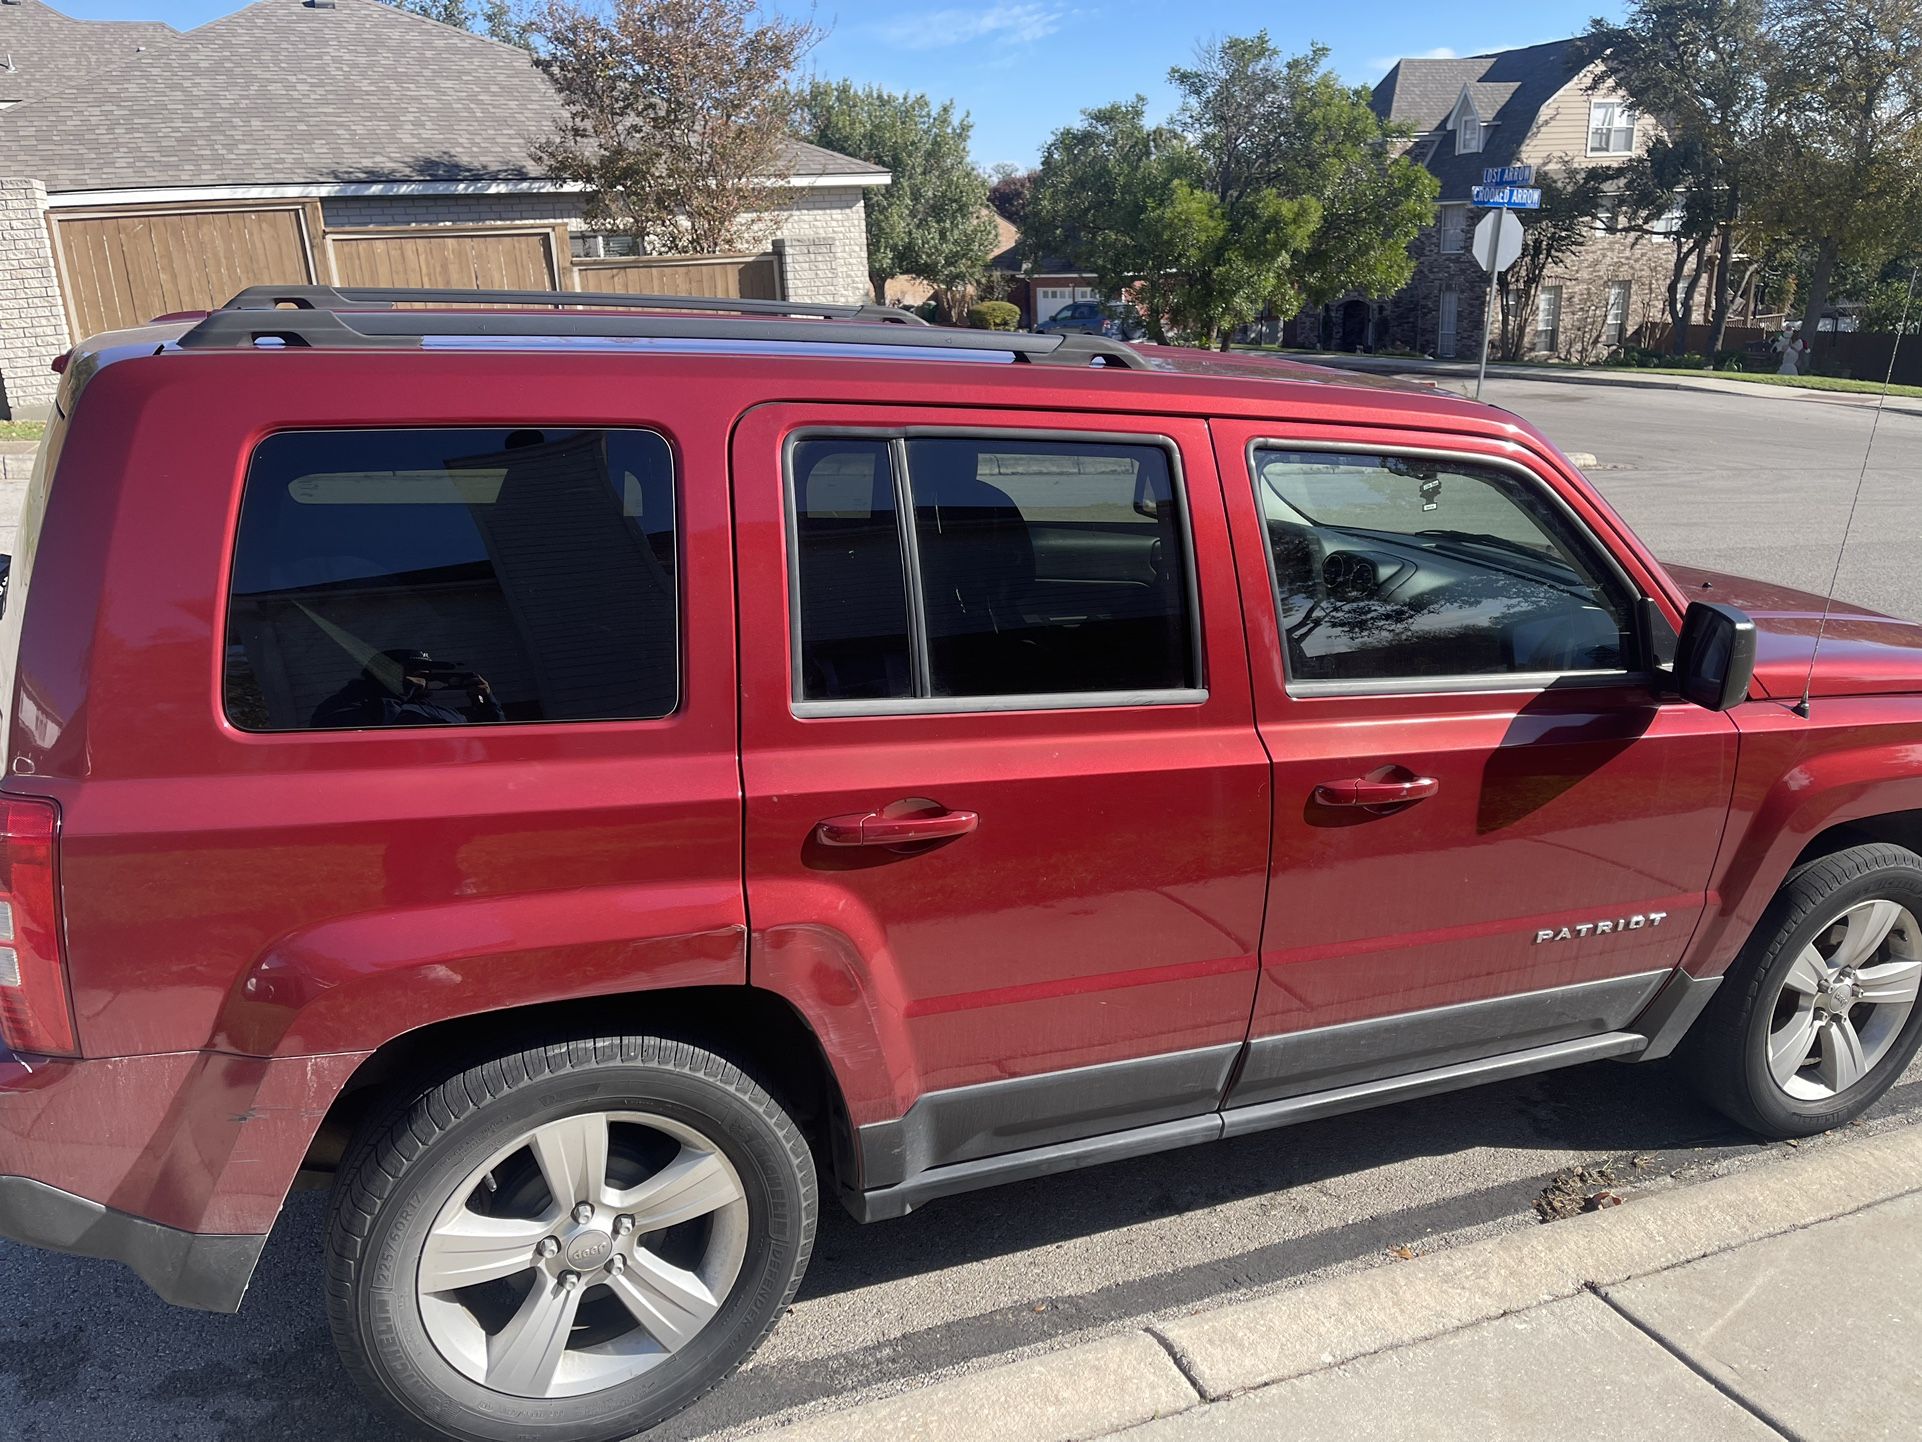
(453, 578)
(1031, 568)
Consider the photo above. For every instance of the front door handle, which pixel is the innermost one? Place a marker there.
(877, 828)
(1366, 791)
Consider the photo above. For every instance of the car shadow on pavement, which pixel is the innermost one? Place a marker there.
(125, 1366)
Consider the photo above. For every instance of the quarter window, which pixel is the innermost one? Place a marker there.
(1043, 568)
(1390, 568)
(453, 578)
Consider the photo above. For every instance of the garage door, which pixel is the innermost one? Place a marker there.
(125, 269)
(484, 259)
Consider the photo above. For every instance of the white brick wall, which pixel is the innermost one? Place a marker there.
(823, 234)
(33, 327)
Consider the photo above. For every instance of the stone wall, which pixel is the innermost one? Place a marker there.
(33, 326)
(823, 234)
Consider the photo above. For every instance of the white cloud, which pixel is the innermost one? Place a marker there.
(1017, 24)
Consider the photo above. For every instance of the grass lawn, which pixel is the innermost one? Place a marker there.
(21, 430)
(1769, 378)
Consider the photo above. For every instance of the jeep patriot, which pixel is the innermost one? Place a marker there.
(596, 779)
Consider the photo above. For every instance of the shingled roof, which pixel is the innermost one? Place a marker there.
(284, 92)
(1509, 89)
(43, 52)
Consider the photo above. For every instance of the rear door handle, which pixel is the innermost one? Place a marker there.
(1361, 791)
(873, 828)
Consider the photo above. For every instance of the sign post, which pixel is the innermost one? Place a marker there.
(1497, 244)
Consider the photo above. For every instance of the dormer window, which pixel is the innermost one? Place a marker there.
(1468, 133)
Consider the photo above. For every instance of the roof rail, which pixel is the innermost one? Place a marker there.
(326, 328)
(331, 297)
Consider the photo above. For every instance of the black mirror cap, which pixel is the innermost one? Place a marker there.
(1715, 657)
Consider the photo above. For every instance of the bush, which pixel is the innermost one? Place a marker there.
(994, 315)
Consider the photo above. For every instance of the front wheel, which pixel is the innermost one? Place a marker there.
(1818, 1017)
(572, 1243)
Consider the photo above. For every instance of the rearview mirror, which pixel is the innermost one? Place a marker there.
(1715, 656)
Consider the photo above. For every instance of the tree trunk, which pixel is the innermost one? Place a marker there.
(1724, 290)
(1817, 301)
(1677, 310)
(880, 284)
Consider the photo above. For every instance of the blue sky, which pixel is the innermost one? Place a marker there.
(1024, 67)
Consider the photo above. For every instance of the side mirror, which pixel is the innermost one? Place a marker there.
(1715, 656)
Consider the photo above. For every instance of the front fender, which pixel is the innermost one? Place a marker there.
(1853, 759)
(355, 982)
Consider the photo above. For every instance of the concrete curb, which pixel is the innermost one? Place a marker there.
(1447, 370)
(1098, 1387)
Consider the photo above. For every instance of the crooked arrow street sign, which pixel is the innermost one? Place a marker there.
(1508, 197)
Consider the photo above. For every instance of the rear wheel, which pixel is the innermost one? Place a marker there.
(1819, 1016)
(570, 1243)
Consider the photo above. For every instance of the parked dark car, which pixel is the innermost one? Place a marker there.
(1114, 319)
(605, 782)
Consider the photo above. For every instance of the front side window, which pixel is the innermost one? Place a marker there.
(1453, 225)
(957, 567)
(1615, 315)
(1611, 128)
(1392, 568)
(456, 577)
(1548, 319)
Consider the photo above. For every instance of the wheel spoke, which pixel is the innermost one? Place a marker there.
(1808, 973)
(692, 1185)
(1791, 1043)
(572, 1154)
(469, 1249)
(671, 1303)
(523, 1356)
(1891, 983)
(1865, 927)
(1842, 1063)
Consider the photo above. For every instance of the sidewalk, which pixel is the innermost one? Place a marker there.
(1569, 375)
(1781, 1301)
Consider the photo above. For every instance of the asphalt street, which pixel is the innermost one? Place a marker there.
(1758, 485)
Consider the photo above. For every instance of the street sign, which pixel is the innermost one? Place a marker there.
(1497, 243)
(1507, 197)
(1498, 240)
(1509, 175)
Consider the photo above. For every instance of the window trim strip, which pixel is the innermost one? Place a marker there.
(923, 703)
(1491, 682)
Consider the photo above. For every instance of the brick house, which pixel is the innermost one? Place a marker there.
(1530, 106)
(145, 170)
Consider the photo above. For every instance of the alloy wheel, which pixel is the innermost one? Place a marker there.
(1843, 1004)
(583, 1254)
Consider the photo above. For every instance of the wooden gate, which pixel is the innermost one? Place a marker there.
(730, 277)
(122, 269)
(480, 258)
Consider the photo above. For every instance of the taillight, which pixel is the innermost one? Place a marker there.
(35, 1014)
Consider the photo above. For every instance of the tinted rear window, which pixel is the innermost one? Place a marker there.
(453, 577)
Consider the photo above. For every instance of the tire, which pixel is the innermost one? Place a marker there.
(1741, 1053)
(469, 1180)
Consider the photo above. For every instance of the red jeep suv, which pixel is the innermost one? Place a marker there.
(593, 779)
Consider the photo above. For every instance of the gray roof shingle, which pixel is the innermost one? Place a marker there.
(1509, 89)
(43, 52)
(283, 93)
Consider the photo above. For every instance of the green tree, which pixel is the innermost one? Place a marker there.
(1845, 177)
(931, 220)
(677, 116)
(1275, 186)
(1703, 67)
(497, 19)
(1100, 199)
(1572, 196)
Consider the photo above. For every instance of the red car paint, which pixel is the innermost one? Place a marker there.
(250, 918)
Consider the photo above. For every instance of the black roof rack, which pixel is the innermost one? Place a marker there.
(332, 297)
(322, 317)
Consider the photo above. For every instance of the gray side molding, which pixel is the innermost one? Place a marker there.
(189, 1269)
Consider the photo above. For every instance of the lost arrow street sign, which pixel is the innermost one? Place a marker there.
(1509, 175)
(1507, 197)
